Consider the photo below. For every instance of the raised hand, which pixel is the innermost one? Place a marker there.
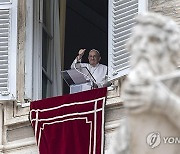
(80, 53)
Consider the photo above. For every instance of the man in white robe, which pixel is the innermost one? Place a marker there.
(97, 70)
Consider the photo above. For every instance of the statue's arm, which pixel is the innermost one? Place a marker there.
(154, 97)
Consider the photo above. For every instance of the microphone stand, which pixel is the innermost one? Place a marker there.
(92, 82)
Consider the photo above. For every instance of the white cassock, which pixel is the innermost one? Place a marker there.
(99, 73)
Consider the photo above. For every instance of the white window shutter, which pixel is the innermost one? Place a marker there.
(121, 20)
(8, 49)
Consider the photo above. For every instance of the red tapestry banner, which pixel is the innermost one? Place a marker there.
(70, 124)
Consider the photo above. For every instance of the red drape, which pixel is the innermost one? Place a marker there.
(70, 124)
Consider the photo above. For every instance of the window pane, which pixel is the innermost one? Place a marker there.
(46, 59)
(47, 14)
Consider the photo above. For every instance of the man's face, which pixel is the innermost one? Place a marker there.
(93, 58)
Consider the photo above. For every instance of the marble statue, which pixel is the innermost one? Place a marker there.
(151, 91)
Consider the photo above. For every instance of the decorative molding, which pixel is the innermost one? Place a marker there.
(18, 144)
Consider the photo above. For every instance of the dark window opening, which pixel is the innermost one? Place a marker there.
(86, 27)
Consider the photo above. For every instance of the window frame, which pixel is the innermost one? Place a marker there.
(37, 52)
(36, 66)
(28, 51)
(49, 34)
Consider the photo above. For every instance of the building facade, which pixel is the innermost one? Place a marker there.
(37, 41)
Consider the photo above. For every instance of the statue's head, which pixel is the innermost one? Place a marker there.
(155, 42)
(155, 50)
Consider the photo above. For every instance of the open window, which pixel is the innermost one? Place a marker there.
(86, 26)
(47, 57)
(104, 25)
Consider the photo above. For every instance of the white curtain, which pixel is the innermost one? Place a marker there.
(57, 81)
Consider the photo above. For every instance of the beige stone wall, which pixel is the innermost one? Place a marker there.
(166, 7)
(21, 48)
